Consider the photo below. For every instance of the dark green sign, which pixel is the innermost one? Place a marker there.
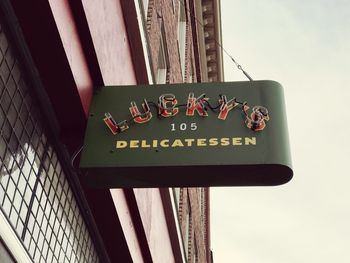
(200, 134)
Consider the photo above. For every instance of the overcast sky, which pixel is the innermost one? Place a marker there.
(305, 46)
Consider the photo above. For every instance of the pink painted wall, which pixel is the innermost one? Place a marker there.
(108, 32)
(74, 51)
(121, 205)
(153, 218)
(107, 28)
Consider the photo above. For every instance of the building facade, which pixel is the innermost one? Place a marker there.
(53, 56)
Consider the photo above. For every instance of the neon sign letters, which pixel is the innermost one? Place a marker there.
(168, 106)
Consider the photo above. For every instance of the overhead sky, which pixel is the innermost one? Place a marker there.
(305, 46)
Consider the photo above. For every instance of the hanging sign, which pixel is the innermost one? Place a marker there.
(187, 135)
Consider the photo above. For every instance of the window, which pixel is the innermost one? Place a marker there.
(145, 6)
(181, 36)
(35, 195)
(188, 229)
(177, 193)
(162, 65)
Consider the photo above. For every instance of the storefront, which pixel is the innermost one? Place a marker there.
(53, 56)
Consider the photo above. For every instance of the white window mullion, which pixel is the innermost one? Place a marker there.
(12, 242)
(181, 36)
(162, 65)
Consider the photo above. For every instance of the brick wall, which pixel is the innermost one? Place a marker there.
(197, 229)
(164, 15)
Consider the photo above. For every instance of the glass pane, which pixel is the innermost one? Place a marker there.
(35, 195)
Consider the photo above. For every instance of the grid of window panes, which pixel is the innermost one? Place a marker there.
(35, 195)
